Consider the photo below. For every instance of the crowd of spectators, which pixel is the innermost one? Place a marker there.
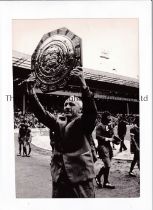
(33, 122)
(129, 118)
(30, 119)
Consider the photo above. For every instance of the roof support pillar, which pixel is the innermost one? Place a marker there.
(23, 111)
(127, 106)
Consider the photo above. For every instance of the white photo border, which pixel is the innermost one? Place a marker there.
(81, 9)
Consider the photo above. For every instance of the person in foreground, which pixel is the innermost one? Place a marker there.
(23, 138)
(104, 135)
(134, 132)
(122, 129)
(72, 165)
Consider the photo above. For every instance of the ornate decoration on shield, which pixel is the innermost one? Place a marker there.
(57, 53)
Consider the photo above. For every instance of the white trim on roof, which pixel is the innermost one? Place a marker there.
(24, 61)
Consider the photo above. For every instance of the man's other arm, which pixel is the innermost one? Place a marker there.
(43, 116)
(89, 110)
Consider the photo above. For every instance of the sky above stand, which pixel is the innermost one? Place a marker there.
(114, 38)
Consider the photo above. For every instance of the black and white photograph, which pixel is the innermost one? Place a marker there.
(77, 105)
(76, 108)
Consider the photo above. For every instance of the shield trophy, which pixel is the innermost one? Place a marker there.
(55, 56)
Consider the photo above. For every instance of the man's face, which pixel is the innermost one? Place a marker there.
(108, 119)
(72, 109)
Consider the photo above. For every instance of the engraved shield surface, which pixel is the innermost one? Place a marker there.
(57, 53)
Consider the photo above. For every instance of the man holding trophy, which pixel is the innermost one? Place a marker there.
(72, 165)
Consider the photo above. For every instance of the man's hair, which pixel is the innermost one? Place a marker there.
(136, 120)
(104, 116)
(23, 121)
(75, 100)
(121, 117)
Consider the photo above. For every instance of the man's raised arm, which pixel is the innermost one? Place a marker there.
(89, 107)
(43, 116)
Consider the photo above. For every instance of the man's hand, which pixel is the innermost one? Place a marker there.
(78, 72)
(108, 139)
(116, 140)
(30, 82)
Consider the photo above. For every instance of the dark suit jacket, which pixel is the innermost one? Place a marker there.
(104, 147)
(135, 131)
(72, 148)
(122, 128)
